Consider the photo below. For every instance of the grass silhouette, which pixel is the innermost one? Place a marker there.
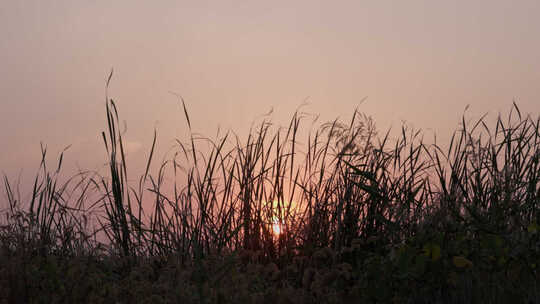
(374, 219)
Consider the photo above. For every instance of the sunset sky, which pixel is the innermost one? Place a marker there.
(232, 61)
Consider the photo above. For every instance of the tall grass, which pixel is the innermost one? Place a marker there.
(341, 186)
(346, 183)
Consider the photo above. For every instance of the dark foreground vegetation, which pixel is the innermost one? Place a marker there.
(374, 220)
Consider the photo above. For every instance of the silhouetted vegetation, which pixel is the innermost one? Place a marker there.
(374, 220)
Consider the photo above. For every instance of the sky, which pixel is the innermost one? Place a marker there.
(420, 62)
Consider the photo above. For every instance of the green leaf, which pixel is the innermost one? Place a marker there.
(420, 265)
(432, 251)
(533, 228)
(405, 258)
(461, 262)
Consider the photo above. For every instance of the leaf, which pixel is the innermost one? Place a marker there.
(420, 264)
(532, 228)
(433, 251)
(461, 262)
(404, 258)
(436, 253)
(366, 174)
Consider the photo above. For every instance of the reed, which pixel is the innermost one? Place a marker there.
(354, 192)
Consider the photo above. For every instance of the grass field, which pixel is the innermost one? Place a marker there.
(362, 218)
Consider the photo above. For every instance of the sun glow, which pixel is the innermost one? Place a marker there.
(279, 211)
(276, 227)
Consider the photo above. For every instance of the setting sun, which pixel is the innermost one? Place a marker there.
(279, 215)
(276, 227)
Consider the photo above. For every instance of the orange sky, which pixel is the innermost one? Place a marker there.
(232, 61)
